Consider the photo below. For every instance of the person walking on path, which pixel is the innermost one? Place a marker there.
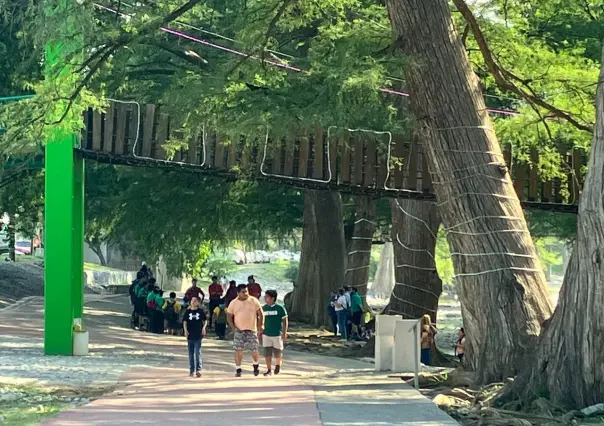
(275, 331)
(215, 290)
(246, 319)
(195, 291)
(231, 293)
(194, 323)
(342, 313)
(253, 287)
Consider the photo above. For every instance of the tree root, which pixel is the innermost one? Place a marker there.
(472, 407)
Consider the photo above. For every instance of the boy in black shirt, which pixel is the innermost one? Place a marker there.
(194, 323)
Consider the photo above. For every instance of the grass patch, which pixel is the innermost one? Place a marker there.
(24, 406)
(274, 271)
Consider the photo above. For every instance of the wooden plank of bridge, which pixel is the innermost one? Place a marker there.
(133, 130)
(426, 177)
(109, 117)
(546, 191)
(400, 157)
(319, 153)
(246, 156)
(148, 125)
(383, 166)
(333, 158)
(193, 149)
(368, 179)
(120, 128)
(162, 136)
(288, 152)
(411, 165)
(519, 179)
(507, 154)
(359, 155)
(345, 153)
(232, 155)
(97, 120)
(219, 153)
(533, 176)
(303, 160)
(85, 141)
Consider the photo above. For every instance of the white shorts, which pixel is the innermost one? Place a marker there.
(275, 342)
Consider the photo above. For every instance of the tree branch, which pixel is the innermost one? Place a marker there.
(499, 74)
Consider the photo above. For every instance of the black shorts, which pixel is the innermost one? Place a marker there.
(356, 318)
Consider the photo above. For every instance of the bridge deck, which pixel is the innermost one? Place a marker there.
(350, 162)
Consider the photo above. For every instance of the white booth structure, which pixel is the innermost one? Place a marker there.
(397, 344)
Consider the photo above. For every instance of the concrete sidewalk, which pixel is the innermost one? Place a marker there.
(312, 390)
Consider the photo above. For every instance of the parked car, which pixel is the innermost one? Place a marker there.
(23, 247)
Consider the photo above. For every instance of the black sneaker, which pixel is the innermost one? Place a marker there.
(190, 374)
(238, 373)
(256, 370)
(268, 373)
(277, 369)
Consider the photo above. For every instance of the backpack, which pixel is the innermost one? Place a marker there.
(222, 316)
(151, 304)
(169, 312)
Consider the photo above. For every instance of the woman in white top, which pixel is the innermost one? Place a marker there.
(342, 306)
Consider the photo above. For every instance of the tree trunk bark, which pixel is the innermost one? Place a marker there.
(96, 249)
(12, 238)
(501, 283)
(569, 360)
(323, 257)
(359, 251)
(418, 286)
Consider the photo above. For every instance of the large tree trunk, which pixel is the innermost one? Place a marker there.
(12, 237)
(323, 257)
(501, 283)
(359, 251)
(98, 250)
(418, 286)
(569, 360)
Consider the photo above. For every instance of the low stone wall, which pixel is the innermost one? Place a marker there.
(115, 282)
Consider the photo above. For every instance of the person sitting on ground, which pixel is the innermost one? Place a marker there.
(275, 331)
(342, 306)
(246, 319)
(220, 320)
(195, 291)
(231, 293)
(171, 309)
(461, 342)
(331, 310)
(253, 287)
(356, 309)
(215, 291)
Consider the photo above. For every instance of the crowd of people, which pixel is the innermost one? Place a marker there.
(349, 318)
(238, 306)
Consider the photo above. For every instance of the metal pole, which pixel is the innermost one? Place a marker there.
(416, 356)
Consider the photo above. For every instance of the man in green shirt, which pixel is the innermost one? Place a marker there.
(275, 331)
(356, 309)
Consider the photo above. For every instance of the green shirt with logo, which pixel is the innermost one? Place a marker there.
(273, 319)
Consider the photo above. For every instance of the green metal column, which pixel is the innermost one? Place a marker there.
(63, 230)
(64, 194)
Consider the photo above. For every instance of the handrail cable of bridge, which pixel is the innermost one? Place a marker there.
(276, 64)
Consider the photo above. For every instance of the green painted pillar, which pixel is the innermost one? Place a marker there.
(64, 194)
(63, 250)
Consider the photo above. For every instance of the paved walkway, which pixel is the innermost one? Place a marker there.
(312, 390)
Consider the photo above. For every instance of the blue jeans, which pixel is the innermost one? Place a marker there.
(342, 323)
(194, 355)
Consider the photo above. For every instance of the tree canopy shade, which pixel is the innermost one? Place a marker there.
(184, 216)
